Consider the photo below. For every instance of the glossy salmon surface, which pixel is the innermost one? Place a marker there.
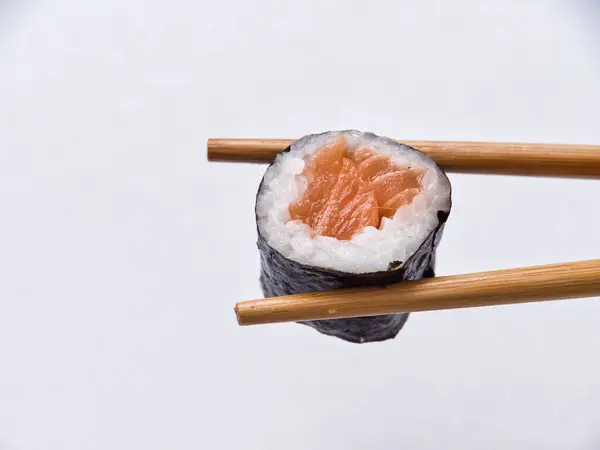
(350, 190)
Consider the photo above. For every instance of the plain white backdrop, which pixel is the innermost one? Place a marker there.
(122, 251)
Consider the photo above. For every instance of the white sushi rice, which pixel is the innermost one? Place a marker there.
(370, 250)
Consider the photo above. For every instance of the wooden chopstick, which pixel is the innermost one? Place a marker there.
(558, 160)
(501, 287)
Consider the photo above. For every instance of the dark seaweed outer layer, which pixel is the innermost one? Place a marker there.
(282, 276)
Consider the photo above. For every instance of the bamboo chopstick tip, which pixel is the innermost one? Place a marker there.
(209, 150)
(236, 309)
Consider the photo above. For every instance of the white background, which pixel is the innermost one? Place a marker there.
(122, 251)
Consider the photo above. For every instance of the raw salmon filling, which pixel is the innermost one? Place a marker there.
(350, 190)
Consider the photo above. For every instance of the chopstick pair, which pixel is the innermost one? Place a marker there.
(522, 285)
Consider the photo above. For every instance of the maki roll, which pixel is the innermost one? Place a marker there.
(346, 209)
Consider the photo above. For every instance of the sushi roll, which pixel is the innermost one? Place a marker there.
(346, 209)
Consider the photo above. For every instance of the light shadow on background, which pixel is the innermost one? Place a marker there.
(586, 15)
(9, 10)
(588, 11)
(5, 9)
